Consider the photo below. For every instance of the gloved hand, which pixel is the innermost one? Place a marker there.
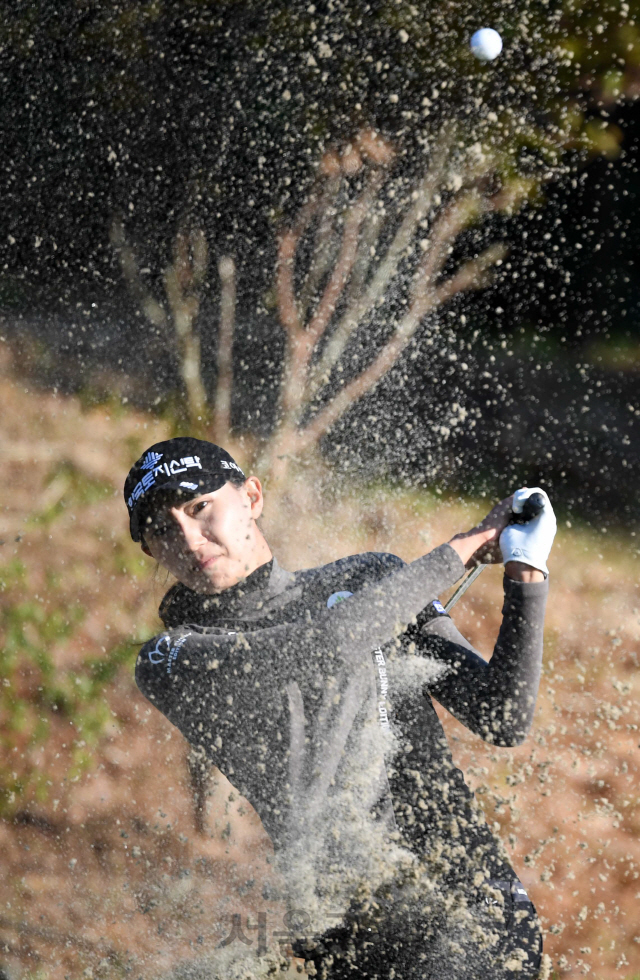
(531, 542)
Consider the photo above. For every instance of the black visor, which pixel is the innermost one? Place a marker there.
(186, 466)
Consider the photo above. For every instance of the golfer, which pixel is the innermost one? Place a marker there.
(312, 692)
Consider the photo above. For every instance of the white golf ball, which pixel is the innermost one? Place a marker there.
(486, 44)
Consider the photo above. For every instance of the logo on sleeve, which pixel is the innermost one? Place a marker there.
(337, 597)
(164, 650)
(437, 605)
(383, 690)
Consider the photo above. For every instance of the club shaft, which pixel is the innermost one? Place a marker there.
(464, 585)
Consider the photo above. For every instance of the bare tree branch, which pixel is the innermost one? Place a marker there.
(146, 301)
(181, 281)
(350, 271)
(325, 246)
(224, 384)
(472, 274)
(289, 240)
(423, 200)
(345, 262)
(199, 257)
(425, 297)
(302, 342)
(287, 306)
(369, 233)
(368, 237)
(438, 246)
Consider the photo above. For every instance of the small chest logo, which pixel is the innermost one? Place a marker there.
(337, 597)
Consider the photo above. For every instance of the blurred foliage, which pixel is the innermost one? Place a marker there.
(67, 485)
(36, 693)
(38, 634)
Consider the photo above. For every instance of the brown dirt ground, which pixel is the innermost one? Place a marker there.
(105, 875)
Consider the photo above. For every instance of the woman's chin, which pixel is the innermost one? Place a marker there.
(213, 580)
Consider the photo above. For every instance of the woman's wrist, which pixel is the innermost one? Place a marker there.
(468, 543)
(519, 572)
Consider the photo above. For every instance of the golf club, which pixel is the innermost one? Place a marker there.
(532, 506)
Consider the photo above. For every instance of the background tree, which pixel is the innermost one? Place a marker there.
(360, 238)
(209, 117)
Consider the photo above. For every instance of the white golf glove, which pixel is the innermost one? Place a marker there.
(530, 542)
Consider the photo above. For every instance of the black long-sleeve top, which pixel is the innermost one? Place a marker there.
(311, 691)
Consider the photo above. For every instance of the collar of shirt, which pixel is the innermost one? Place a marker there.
(183, 605)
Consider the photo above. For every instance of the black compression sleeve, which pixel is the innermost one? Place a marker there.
(496, 700)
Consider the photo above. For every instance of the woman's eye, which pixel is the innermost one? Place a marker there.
(200, 506)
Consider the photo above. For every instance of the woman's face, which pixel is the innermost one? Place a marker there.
(210, 542)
